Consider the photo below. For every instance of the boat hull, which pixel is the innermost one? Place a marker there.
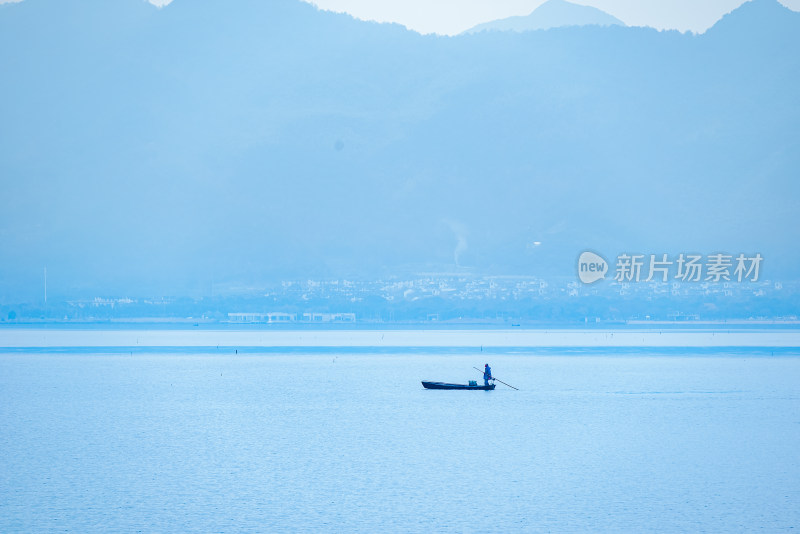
(442, 385)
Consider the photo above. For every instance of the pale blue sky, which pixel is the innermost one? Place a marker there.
(454, 16)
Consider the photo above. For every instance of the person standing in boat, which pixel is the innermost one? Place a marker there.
(487, 374)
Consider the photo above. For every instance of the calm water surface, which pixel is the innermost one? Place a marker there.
(337, 441)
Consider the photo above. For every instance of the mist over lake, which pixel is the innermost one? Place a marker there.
(270, 268)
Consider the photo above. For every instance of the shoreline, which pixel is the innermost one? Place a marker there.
(40, 338)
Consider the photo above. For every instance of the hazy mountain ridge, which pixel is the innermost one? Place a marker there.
(177, 146)
(551, 14)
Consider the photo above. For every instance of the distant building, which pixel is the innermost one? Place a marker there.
(283, 318)
(329, 317)
(274, 317)
(678, 316)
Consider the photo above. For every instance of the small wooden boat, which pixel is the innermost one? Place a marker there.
(442, 385)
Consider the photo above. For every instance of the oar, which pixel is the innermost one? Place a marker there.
(493, 378)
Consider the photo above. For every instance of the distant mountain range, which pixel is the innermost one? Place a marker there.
(161, 151)
(551, 14)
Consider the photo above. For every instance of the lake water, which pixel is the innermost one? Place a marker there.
(350, 441)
